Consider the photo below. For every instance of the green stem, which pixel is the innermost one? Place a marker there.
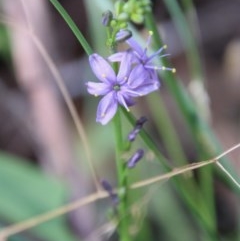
(187, 37)
(188, 40)
(201, 132)
(122, 180)
(72, 26)
(148, 141)
(197, 126)
(166, 128)
(188, 190)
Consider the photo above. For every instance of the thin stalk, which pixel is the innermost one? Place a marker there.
(201, 132)
(49, 215)
(122, 180)
(166, 128)
(189, 24)
(148, 141)
(193, 119)
(188, 190)
(187, 37)
(72, 26)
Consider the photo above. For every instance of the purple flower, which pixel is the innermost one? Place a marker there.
(118, 88)
(140, 56)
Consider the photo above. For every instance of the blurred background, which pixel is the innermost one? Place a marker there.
(43, 163)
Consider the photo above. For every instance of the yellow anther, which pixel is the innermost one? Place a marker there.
(174, 70)
(150, 32)
(163, 68)
(165, 46)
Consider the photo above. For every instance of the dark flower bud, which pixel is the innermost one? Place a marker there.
(123, 35)
(107, 18)
(139, 123)
(108, 188)
(135, 158)
(133, 134)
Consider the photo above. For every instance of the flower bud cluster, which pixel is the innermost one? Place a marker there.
(132, 10)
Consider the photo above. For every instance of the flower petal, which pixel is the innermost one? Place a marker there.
(136, 47)
(137, 76)
(147, 87)
(121, 99)
(125, 99)
(102, 69)
(107, 108)
(96, 89)
(125, 68)
(117, 57)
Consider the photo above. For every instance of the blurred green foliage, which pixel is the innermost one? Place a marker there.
(27, 192)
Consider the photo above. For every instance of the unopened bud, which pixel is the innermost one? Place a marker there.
(139, 123)
(137, 18)
(108, 188)
(135, 158)
(123, 35)
(123, 17)
(107, 18)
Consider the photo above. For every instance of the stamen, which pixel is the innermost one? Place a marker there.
(154, 67)
(150, 32)
(148, 41)
(157, 53)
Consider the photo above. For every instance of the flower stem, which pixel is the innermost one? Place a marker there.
(72, 26)
(200, 130)
(122, 180)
